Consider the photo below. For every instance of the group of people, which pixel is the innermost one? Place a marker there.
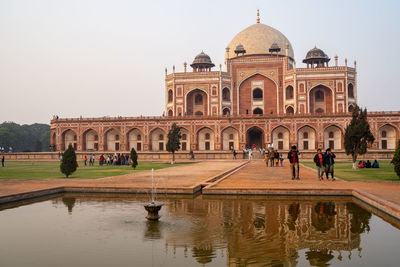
(112, 160)
(368, 164)
(273, 157)
(325, 163)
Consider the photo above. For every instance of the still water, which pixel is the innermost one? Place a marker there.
(111, 230)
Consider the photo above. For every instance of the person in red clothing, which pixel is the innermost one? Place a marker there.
(319, 161)
(293, 157)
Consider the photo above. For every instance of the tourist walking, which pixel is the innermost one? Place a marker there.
(293, 157)
(319, 162)
(85, 160)
(250, 154)
(329, 162)
(234, 154)
(2, 161)
(191, 155)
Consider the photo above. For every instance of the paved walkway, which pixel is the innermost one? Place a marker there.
(182, 179)
(253, 178)
(256, 178)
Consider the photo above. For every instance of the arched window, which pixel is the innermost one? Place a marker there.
(257, 111)
(207, 136)
(384, 134)
(331, 135)
(351, 108)
(231, 136)
(305, 135)
(75, 137)
(320, 110)
(290, 110)
(280, 135)
(170, 96)
(226, 94)
(214, 110)
(289, 92)
(96, 137)
(117, 137)
(183, 136)
(139, 137)
(319, 96)
(161, 137)
(198, 113)
(350, 91)
(257, 93)
(198, 99)
(170, 113)
(339, 87)
(226, 111)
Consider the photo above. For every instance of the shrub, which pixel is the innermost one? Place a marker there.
(134, 158)
(68, 163)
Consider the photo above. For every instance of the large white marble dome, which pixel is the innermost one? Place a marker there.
(258, 38)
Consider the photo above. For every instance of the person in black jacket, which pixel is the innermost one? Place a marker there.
(293, 157)
(319, 161)
(328, 163)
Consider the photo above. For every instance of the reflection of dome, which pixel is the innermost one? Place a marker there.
(202, 60)
(257, 39)
(316, 54)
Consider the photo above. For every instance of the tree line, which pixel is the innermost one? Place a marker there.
(24, 138)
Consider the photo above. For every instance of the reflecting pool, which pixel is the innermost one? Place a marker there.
(111, 230)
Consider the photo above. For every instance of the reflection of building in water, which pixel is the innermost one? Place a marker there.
(257, 232)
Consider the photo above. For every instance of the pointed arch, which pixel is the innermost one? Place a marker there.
(387, 136)
(306, 137)
(321, 99)
(90, 140)
(333, 137)
(134, 139)
(230, 138)
(69, 136)
(255, 136)
(205, 138)
(112, 139)
(158, 139)
(280, 137)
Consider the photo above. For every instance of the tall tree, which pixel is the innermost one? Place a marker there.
(358, 135)
(396, 159)
(174, 140)
(68, 163)
(134, 158)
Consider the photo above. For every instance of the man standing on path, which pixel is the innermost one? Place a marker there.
(2, 161)
(319, 161)
(293, 157)
(329, 162)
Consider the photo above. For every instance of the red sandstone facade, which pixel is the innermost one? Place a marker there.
(261, 98)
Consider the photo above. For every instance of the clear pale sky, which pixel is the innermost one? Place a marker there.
(107, 57)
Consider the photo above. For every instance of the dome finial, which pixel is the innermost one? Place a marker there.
(258, 15)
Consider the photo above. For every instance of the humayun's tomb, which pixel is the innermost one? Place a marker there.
(261, 98)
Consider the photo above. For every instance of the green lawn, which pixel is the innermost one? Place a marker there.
(343, 170)
(51, 170)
